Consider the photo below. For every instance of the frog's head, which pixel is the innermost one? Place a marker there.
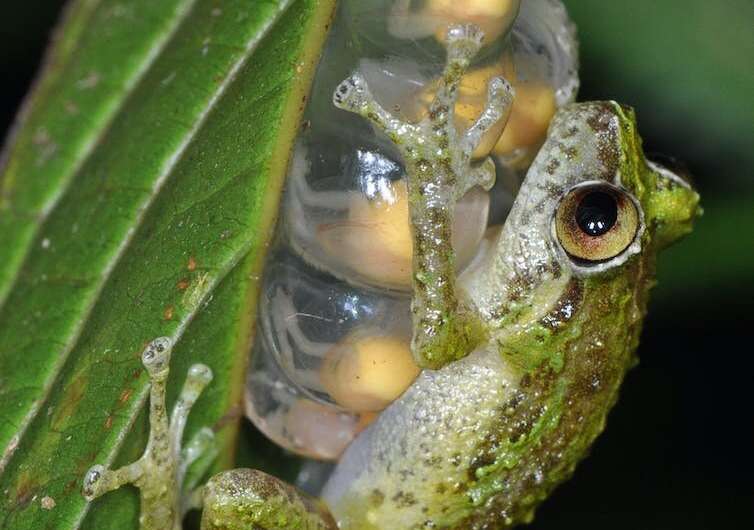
(591, 207)
(577, 251)
(619, 204)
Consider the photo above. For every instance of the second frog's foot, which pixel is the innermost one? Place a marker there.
(159, 473)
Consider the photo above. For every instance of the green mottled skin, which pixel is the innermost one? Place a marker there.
(242, 498)
(527, 349)
(572, 380)
(562, 401)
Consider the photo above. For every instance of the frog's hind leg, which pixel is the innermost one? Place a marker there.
(160, 471)
(247, 498)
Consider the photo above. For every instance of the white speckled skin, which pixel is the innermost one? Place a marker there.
(526, 253)
(408, 448)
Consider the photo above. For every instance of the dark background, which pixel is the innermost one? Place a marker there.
(678, 452)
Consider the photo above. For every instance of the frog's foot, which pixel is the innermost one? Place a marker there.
(246, 498)
(438, 128)
(159, 473)
(439, 171)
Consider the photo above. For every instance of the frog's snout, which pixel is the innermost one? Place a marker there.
(674, 205)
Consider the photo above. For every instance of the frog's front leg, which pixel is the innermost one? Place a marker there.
(234, 499)
(439, 172)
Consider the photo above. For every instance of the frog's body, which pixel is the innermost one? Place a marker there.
(484, 439)
(527, 348)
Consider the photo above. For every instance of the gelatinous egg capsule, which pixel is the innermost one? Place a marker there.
(540, 61)
(327, 356)
(545, 58)
(333, 343)
(408, 19)
(536, 51)
(363, 234)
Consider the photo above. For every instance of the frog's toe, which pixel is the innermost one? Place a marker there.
(100, 480)
(466, 38)
(156, 356)
(201, 447)
(92, 480)
(352, 93)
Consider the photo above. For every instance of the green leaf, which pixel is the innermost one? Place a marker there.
(137, 197)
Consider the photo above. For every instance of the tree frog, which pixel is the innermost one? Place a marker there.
(522, 353)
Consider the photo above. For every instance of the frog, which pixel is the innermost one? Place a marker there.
(522, 353)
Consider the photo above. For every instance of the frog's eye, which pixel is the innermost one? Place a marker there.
(596, 222)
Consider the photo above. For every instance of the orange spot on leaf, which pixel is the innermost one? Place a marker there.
(124, 396)
(70, 486)
(72, 395)
(25, 489)
(191, 264)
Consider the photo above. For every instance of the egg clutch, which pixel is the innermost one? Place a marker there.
(333, 342)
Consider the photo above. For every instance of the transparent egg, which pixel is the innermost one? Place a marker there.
(546, 49)
(361, 232)
(409, 20)
(327, 356)
(401, 56)
(545, 57)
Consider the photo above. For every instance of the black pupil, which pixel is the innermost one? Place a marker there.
(597, 213)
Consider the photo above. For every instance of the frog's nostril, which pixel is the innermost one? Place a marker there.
(671, 168)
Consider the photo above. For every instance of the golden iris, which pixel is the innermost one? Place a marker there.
(596, 223)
